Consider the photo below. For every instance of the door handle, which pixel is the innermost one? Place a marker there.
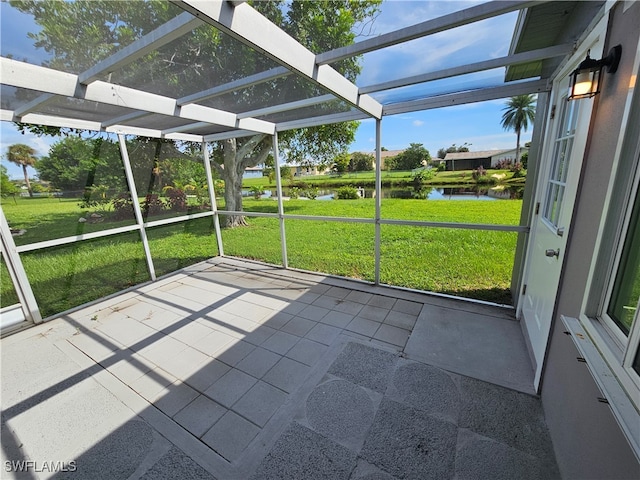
(550, 252)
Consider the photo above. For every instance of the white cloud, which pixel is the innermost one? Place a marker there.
(417, 123)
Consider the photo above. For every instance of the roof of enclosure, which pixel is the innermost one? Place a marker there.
(284, 85)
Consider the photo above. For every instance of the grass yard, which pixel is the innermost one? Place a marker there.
(468, 263)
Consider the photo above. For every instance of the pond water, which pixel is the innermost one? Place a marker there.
(426, 193)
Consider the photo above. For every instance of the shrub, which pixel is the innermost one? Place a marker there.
(421, 193)
(256, 191)
(347, 193)
(294, 192)
(95, 196)
(518, 170)
(122, 206)
(480, 176)
(504, 164)
(219, 186)
(311, 193)
(422, 175)
(176, 199)
(152, 205)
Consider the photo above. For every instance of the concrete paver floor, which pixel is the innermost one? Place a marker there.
(236, 370)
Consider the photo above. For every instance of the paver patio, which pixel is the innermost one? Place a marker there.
(236, 370)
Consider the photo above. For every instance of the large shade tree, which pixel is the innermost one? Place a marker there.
(24, 156)
(518, 112)
(78, 34)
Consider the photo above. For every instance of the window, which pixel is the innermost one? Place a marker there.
(616, 311)
(622, 307)
(563, 143)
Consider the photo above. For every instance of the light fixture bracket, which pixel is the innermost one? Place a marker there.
(612, 60)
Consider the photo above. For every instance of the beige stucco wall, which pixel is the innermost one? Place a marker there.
(588, 442)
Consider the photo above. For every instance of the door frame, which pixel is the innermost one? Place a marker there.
(593, 42)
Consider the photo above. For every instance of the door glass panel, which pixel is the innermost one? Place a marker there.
(563, 145)
(623, 305)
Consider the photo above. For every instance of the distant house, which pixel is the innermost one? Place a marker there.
(304, 170)
(253, 172)
(384, 154)
(485, 158)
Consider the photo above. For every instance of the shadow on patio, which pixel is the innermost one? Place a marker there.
(237, 370)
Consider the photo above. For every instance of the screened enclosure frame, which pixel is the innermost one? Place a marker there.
(197, 122)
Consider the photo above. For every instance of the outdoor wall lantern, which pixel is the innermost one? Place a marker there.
(585, 80)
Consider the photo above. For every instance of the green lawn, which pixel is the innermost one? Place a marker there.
(469, 263)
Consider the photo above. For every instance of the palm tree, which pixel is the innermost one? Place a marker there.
(519, 111)
(23, 155)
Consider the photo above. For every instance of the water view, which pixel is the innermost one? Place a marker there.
(426, 193)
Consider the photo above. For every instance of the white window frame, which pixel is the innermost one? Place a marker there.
(626, 343)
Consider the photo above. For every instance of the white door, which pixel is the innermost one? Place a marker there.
(561, 163)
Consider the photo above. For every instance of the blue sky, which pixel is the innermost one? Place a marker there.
(476, 124)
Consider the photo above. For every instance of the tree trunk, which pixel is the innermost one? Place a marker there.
(26, 180)
(517, 145)
(233, 197)
(235, 159)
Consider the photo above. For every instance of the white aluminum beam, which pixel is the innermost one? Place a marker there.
(245, 24)
(162, 35)
(124, 153)
(21, 74)
(245, 82)
(322, 120)
(152, 133)
(34, 77)
(185, 128)
(65, 122)
(54, 121)
(283, 235)
(34, 104)
(473, 96)
(212, 197)
(378, 212)
(530, 56)
(125, 118)
(259, 112)
(429, 27)
(307, 102)
(185, 137)
(17, 273)
(6, 116)
(129, 130)
(153, 40)
(540, 54)
(215, 137)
